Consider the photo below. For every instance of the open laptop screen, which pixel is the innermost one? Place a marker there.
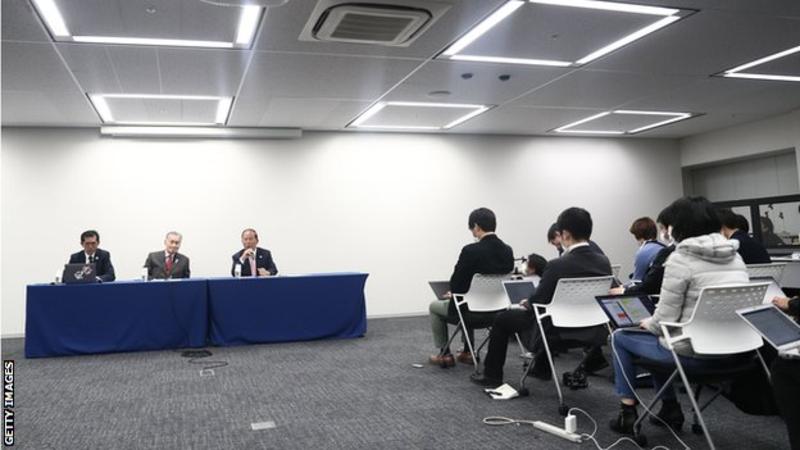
(777, 327)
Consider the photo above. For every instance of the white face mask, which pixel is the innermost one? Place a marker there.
(666, 236)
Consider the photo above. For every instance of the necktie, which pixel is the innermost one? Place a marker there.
(91, 259)
(253, 271)
(168, 265)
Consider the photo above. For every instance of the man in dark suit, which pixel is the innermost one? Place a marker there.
(489, 255)
(168, 263)
(104, 270)
(554, 238)
(579, 260)
(254, 260)
(751, 251)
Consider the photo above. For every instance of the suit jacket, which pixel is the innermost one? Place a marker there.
(156, 266)
(263, 261)
(103, 267)
(579, 263)
(593, 246)
(490, 255)
(751, 251)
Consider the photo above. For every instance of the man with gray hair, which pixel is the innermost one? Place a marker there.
(168, 263)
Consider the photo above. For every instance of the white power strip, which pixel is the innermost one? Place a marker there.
(560, 432)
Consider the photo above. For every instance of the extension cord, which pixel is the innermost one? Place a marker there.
(552, 429)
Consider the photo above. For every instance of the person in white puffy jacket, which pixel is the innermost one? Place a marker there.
(702, 257)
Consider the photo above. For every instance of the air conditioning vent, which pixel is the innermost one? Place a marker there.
(374, 23)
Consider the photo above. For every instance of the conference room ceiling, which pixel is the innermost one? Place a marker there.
(281, 79)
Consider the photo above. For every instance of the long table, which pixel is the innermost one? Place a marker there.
(115, 317)
(134, 315)
(292, 308)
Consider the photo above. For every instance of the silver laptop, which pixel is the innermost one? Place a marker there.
(518, 290)
(775, 327)
(79, 273)
(440, 288)
(774, 289)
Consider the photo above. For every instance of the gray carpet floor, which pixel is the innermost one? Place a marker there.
(336, 394)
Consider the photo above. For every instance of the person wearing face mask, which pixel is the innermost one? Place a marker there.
(255, 261)
(168, 263)
(643, 230)
(654, 276)
(487, 255)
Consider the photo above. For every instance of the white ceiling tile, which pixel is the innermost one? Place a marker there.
(705, 43)
(38, 90)
(308, 113)
(162, 110)
(519, 120)
(20, 22)
(173, 19)
(483, 87)
(315, 76)
(598, 89)
(700, 124)
(92, 67)
(201, 71)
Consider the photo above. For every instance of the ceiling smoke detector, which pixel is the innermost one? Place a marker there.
(373, 23)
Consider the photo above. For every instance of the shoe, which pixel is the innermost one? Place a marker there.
(670, 413)
(624, 422)
(482, 380)
(575, 380)
(593, 362)
(465, 358)
(442, 360)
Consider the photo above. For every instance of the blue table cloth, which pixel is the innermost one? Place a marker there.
(115, 317)
(286, 308)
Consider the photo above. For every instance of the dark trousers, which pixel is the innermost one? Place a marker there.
(786, 385)
(505, 325)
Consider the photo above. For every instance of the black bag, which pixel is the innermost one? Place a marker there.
(752, 394)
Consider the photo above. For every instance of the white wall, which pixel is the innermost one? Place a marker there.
(764, 136)
(393, 205)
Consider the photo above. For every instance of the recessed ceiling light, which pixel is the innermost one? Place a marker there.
(736, 72)
(54, 21)
(474, 110)
(457, 49)
(673, 117)
(101, 105)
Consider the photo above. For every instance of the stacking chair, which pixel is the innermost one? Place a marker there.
(774, 270)
(486, 295)
(714, 330)
(616, 269)
(573, 306)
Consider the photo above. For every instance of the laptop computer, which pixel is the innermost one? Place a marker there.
(775, 327)
(440, 288)
(79, 273)
(774, 289)
(626, 311)
(518, 290)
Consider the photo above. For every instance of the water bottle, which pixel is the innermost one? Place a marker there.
(144, 273)
(58, 277)
(237, 270)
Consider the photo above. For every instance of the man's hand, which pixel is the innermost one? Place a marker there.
(447, 295)
(781, 303)
(248, 252)
(524, 303)
(645, 324)
(616, 291)
(262, 272)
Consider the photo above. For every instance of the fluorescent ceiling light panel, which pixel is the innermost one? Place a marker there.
(52, 17)
(248, 24)
(360, 121)
(672, 117)
(100, 103)
(202, 132)
(736, 72)
(454, 52)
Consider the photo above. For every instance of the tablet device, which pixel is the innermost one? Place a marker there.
(440, 288)
(518, 290)
(775, 327)
(79, 273)
(626, 311)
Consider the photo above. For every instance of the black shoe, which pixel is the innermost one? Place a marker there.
(670, 413)
(575, 380)
(593, 362)
(624, 422)
(482, 380)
